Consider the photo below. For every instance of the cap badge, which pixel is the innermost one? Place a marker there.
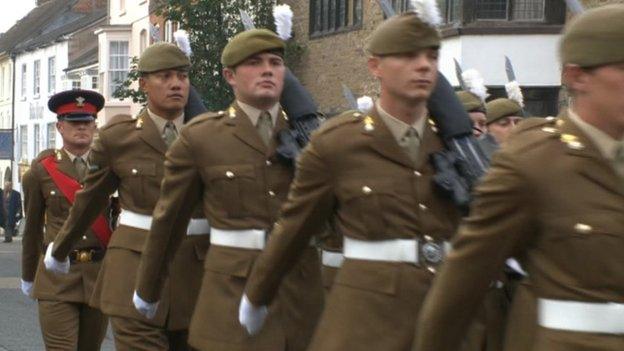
(80, 101)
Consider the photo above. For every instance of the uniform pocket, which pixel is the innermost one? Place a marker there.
(230, 185)
(378, 277)
(232, 262)
(368, 201)
(135, 178)
(56, 203)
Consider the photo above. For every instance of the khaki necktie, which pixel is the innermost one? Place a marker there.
(411, 143)
(170, 133)
(81, 167)
(265, 127)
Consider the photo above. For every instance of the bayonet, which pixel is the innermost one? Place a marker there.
(387, 8)
(248, 23)
(460, 78)
(348, 94)
(575, 6)
(511, 75)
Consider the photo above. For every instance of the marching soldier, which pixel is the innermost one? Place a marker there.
(128, 157)
(554, 197)
(67, 321)
(371, 174)
(503, 114)
(228, 162)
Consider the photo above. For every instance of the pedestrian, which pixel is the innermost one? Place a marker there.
(50, 185)
(11, 210)
(554, 198)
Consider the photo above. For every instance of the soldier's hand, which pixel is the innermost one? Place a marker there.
(27, 288)
(250, 316)
(143, 307)
(54, 265)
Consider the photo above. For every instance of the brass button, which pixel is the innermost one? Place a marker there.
(549, 130)
(428, 238)
(229, 174)
(268, 162)
(423, 207)
(418, 174)
(52, 192)
(135, 171)
(583, 228)
(84, 237)
(366, 190)
(431, 270)
(271, 193)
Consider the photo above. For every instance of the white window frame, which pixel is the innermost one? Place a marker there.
(51, 135)
(36, 78)
(51, 75)
(24, 80)
(118, 64)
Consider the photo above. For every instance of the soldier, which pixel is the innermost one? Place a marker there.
(227, 161)
(554, 197)
(503, 115)
(67, 321)
(371, 174)
(128, 157)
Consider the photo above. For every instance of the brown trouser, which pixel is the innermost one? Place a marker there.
(70, 326)
(135, 335)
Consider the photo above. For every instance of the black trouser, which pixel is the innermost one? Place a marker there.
(9, 233)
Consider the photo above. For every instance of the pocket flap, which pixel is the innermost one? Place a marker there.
(378, 277)
(234, 262)
(136, 169)
(229, 172)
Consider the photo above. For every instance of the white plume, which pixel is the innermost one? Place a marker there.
(182, 40)
(475, 83)
(283, 21)
(427, 11)
(365, 103)
(514, 92)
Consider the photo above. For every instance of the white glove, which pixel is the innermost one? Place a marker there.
(27, 288)
(143, 307)
(250, 316)
(54, 265)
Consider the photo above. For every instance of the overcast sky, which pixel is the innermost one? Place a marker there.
(12, 10)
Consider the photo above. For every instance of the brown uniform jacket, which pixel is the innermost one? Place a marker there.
(221, 161)
(355, 174)
(46, 210)
(128, 156)
(550, 197)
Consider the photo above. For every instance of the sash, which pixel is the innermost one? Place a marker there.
(69, 186)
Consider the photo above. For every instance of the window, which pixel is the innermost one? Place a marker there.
(37, 140)
(334, 16)
(515, 10)
(2, 84)
(122, 5)
(143, 40)
(94, 83)
(450, 10)
(75, 84)
(118, 65)
(51, 135)
(51, 74)
(36, 77)
(23, 143)
(24, 71)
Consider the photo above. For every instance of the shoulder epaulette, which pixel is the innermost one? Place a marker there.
(206, 116)
(344, 118)
(536, 123)
(118, 119)
(534, 131)
(46, 153)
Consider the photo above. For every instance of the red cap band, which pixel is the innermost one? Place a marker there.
(73, 107)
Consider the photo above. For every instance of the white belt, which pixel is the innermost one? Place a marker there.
(332, 259)
(253, 239)
(396, 250)
(588, 317)
(141, 221)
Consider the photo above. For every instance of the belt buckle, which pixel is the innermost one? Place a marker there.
(84, 256)
(432, 253)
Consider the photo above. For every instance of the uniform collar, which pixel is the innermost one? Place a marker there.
(72, 157)
(604, 142)
(160, 122)
(254, 113)
(399, 128)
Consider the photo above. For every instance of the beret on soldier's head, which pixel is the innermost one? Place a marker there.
(595, 37)
(76, 105)
(248, 43)
(161, 56)
(471, 102)
(503, 107)
(403, 34)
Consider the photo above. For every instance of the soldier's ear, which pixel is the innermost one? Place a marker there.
(373, 66)
(575, 78)
(143, 84)
(228, 74)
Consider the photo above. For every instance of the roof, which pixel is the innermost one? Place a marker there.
(47, 23)
(87, 59)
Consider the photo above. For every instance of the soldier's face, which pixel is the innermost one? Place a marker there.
(411, 76)
(501, 129)
(479, 125)
(167, 91)
(76, 133)
(258, 80)
(599, 96)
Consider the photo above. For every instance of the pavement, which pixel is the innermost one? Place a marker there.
(19, 324)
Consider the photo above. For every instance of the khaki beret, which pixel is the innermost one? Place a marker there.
(402, 34)
(248, 43)
(503, 107)
(595, 37)
(162, 56)
(471, 102)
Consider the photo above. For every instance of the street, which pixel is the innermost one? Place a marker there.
(19, 325)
